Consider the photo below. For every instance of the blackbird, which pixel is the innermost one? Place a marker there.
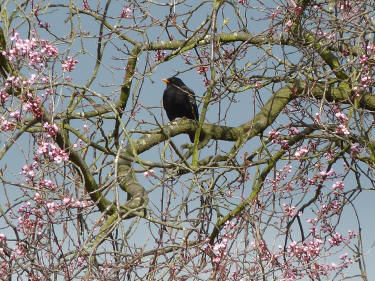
(179, 101)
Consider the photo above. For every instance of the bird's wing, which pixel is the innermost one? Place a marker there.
(168, 104)
(192, 102)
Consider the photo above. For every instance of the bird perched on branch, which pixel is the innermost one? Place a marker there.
(179, 101)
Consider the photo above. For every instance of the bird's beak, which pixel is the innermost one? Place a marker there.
(165, 80)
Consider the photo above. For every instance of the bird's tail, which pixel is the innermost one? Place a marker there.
(192, 136)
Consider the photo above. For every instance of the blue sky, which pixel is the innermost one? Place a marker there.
(150, 92)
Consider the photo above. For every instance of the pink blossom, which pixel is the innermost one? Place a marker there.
(206, 82)
(78, 144)
(219, 251)
(317, 119)
(85, 5)
(366, 77)
(37, 196)
(20, 250)
(33, 105)
(60, 158)
(344, 256)
(77, 203)
(274, 14)
(48, 184)
(341, 116)
(52, 207)
(293, 131)
(25, 46)
(186, 56)
(326, 35)
(352, 234)
(306, 251)
(301, 151)
(126, 12)
(148, 173)
(30, 81)
(336, 239)
(43, 148)
(273, 134)
(14, 37)
(85, 203)
(45, 25)
(58, 154)
(229, 225)
(36, 59)
(218, 247)
(289, 210)
(202, 69)
(48, 49)
(344, 5)
(245, 177)
(69, 64)
(357, 93)
(363, 59)
(342, 130)
(12, 81)
(34, 50)
(28, 171)
(338, 186)
(15, 114)
(257, 84)
(284, 144)
(297, 9)
(51, 129)
(160, 55)
(325, 174)
(66, 200)
(330, 154)
(5, 125)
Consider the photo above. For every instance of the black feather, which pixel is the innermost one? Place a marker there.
(179, 101)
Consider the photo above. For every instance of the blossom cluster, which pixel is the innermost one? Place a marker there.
(219, 249)
(280, 176)
(51, 129)
(275, 137)
(37, 52)
(69, 64)
(51, 150)
(160, 55)
(32, 104)
(126, 12)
